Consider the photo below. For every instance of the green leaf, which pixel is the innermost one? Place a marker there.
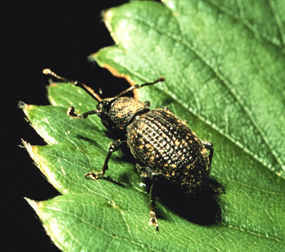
(224, 68)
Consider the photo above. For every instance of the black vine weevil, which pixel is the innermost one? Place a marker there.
(163, 145)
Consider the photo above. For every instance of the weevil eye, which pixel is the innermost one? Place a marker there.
(147, 103)
(99, 106)
(105, 104)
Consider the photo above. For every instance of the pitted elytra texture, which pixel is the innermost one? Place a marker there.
(161, 141)
(163, 145)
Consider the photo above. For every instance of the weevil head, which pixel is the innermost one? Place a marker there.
(117, 113)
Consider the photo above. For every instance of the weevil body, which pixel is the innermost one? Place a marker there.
(163, 145)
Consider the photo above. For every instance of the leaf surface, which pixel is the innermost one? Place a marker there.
(224, 68)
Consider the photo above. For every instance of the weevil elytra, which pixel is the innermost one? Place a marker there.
(162, 144)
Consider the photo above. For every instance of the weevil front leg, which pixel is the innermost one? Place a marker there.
(115, 145)
(71, 112)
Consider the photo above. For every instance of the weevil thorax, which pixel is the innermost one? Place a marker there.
(117, 113)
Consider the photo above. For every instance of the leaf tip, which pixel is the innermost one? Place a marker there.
(107, 15)
(53, 84)
(31, 149)
(42, 164)
(37, 206)
(24, 106)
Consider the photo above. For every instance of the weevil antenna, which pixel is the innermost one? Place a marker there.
(138, 86)
(75, 83)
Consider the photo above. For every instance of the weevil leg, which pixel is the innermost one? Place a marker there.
(218, 190)
(145, 171)
(209, 146)
(115, 145)
(153, 220)
(71, 112)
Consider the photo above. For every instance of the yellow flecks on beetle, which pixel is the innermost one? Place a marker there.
(204, 151)
(177, 143)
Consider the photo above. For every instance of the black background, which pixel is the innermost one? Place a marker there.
(57, 35)
(37, 35)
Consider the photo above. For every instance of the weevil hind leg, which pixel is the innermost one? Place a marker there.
(219, 190)
(153, 221)
(209, 146)
(146, 171)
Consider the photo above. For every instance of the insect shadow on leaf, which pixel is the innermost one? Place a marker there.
(203, 208)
